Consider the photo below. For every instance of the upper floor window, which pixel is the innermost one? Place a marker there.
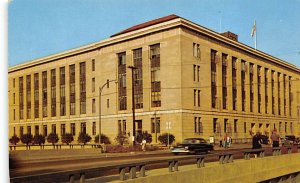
(196, 50)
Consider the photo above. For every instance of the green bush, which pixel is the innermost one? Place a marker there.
(121, 139)
(14, 139)
(144, 135)
(26, 138)
(164, 139)
(84, 138)
(67, 138)
(104, 139)
(39, 139)
(52, 138)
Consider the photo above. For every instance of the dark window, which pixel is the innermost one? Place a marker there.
(157, 122)
(63, 129)
(21, 98)
(94, 128)
(138, 78)
(45, 133)
(155, 75)
(82, 74)
(213, 60)
(44, 93)
(28, 96)
(53, 92)
(36, 95)
(72, 90)
(93, 65)
(234, 90)
(122, 81)
(62, 91)
(83, 128)
(73, 130)
(54, 128)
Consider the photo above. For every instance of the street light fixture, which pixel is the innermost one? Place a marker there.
(133, 103)
(100, 92)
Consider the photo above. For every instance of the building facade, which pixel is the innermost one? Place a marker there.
(201, 82)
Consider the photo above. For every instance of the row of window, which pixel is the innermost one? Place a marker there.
(244, 71)
(62, 87)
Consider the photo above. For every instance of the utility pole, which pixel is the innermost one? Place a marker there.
(133, 104)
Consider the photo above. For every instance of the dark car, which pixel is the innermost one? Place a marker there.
(192, 146)
(289, 140)
(265, 139)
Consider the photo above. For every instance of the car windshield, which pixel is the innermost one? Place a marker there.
(193, 141)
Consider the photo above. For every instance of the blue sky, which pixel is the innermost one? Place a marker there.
(37, 28)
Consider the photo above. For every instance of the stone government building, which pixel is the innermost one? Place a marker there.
(203, 82)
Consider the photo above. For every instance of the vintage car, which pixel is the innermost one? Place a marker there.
(192, 146)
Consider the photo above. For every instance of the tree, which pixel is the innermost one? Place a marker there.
(121, 139)
(14, 139)
(164, 139)
(52, 138)
(39, 139)
(144, 135)
(26, 138)
(104, 139)
(84, 138)
(67, 138)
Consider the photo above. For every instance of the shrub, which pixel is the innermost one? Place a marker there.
(26, 138)
(84, 138)
(14, 139)
(104, 139)
(39, 139)
(67, 138)
(121, 139)
(164, 139)
(52, 138)
(144, 135)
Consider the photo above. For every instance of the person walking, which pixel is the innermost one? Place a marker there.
(143, 145)
(256, 142)
(275, 138)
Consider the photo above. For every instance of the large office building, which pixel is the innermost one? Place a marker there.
(188, 80)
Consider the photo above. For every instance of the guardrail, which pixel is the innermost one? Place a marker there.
(133, 167)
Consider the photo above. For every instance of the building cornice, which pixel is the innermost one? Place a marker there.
(177, 22)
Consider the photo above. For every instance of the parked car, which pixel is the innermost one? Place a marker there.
(192, 146)
(265, 139)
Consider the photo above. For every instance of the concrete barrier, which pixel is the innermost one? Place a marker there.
(246, 171)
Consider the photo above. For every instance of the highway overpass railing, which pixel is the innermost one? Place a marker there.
(139, 166)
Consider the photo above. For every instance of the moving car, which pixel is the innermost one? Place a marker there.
(289, 140)
(192, 146)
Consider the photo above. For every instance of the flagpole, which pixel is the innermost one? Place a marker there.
(255, 40)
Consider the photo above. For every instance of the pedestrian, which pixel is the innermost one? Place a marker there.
(143, 145)
(275, 138)
(256, 142)
(226, 139)
(229, 141)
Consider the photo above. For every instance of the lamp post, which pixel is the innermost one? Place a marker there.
(133, 104)
(100, 92)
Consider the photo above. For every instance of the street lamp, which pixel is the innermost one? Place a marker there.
(100, 92)
(133, 103)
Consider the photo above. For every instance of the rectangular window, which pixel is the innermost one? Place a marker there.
(251, 65)
(14, 83)
(21, 131)
(14, 98)
(259, 88)
(290, 96)
(93, 84)
(28, 129)
(73, 130)
(273, 90)
(138, 78)
(14, 114)
(44, 93)
(72, 90)
(194, 72)
(243, 81)
(36, 95)
(266, 90)
(54, 128)
(245, 127)
(122, 92)
(93, 65)
(213, 61)
(62, 91)
(21, 98)
(28, 96)
(157, 122)
(234, 81)
(94, 128)
(198, 73)
(195, 125)
(82, 73)
(226, 126)
(155, 75)
(83, 128)
(36, 129)
(215, 125)
(93, 106)
(199, 98)
(224, 80)
(63, 129)
(196, 50)
(53, 92)
(107, 103)
(45, 133)
(235, 125)
(195, 96)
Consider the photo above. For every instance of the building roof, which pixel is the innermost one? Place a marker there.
(147, 24)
